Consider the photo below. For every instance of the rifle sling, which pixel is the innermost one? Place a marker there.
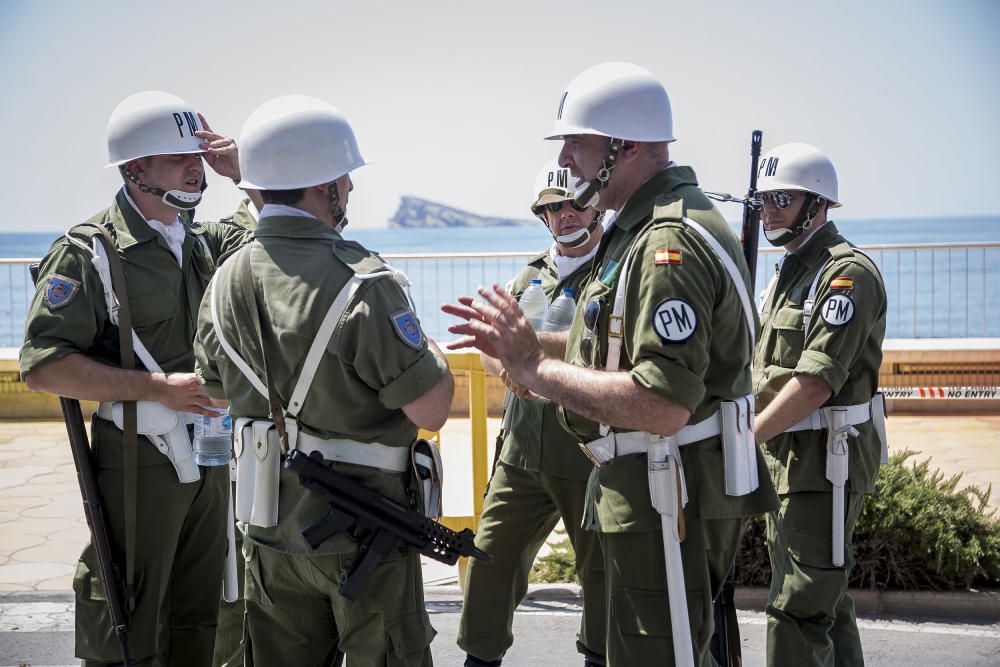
(130, 438)
(277, 411)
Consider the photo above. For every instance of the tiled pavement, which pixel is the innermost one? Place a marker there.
(42, 528)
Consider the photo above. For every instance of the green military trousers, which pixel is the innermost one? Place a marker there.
(638, 611)
(520, 511)
(296, 616)
(810, 615)
(180, 551)
(230, 636)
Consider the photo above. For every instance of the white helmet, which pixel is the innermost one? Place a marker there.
(798, 167)
(295, 142)
(152, 123)
(553, 183)
(618, 100)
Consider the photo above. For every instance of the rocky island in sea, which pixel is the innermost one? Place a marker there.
(416, 212)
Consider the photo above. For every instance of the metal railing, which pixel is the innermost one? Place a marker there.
(934, 290)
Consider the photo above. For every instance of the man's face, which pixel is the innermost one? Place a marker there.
(173, 172)
(583, 154)
(781, 218)
(567, 219)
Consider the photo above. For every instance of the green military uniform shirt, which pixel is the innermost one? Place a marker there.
(242, 216)
(68, 313)
(697, 359)
(536, 441)
(842, 347)
(373, 364)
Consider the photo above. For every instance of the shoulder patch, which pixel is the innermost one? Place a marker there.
(842, 282)
(837, 310)
(407, 327)
(667, 256)
(675, 321)
(60, 291)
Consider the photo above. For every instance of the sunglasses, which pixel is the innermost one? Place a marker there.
(588, 342)
(557, 206)
(779, 199)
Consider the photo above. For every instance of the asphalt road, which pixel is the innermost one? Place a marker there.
(40, 633)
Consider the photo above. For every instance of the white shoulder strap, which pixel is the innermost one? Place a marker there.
(734, 274)
(99, 259)
(233, 355)
(320, 341)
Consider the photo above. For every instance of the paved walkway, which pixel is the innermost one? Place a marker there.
(42, 528)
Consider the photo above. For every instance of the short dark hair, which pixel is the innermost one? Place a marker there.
(283, 197)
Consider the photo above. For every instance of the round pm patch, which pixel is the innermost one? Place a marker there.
(837, 310)
(675, 321)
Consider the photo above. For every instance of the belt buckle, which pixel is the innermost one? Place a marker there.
(589, 455)
(615, 326)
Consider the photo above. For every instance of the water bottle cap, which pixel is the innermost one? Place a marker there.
(536, 281)
(568, 291)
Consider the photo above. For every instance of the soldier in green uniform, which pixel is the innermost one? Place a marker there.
(540, 474)
(341, 350)
(821, 420)
(658, 371)
(169, 534)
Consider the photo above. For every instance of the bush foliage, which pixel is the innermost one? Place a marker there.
(918, 531)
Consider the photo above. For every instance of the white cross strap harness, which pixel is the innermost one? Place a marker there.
(165, 428)
(839, 422)
(256, 442)
(667, 488)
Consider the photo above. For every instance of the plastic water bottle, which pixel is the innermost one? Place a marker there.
(534, 304)
(561, 312)
(213, 438)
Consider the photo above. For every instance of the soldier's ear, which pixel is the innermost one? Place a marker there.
(630, 150)
(136, 166)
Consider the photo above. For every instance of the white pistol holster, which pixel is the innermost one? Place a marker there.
(258, 471)
(739, 446)
(837, 460)
(428, 476)
(165, 428)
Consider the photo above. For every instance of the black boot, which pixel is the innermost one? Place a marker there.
(473, 661)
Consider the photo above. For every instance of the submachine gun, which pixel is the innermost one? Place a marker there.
(374, 521)
(725, 644)
(93, 509)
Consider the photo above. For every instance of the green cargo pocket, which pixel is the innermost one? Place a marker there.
(789, 339)
(812, 549)
(410, 637)
(255, 591)
(646, 613)
(87, 582)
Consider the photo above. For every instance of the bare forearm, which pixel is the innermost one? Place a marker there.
(490, 364)
(608, 397)
(554, 343)
(796, 400)
(78, 376)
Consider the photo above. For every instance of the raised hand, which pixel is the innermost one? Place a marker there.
(221, 152)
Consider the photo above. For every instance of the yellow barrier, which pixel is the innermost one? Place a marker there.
(468, 363)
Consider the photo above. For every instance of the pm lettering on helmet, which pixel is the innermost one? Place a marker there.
(675, 321)
(838, 310)
(559, 179)
(187, 120)
(768, 167)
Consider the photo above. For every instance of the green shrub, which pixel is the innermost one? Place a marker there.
(918, 531)
(556, 567)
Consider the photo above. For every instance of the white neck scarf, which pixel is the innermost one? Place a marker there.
(173, 233)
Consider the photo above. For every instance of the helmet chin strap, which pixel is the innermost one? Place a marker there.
(336, 210)
(785, 235)
(179, 199)
(580, 237)
(590, 194)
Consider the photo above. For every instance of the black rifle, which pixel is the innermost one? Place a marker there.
(725, 644)
(93, 509)
(750, 233)
(373, 521)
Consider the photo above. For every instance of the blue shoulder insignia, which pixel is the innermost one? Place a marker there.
(407, 327)
(60, 290)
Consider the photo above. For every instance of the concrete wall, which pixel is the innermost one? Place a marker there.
(919, 362)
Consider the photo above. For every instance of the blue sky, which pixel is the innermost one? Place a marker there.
(450, 100)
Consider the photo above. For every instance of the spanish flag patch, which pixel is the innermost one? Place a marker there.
(842, 282)
(667, 256)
